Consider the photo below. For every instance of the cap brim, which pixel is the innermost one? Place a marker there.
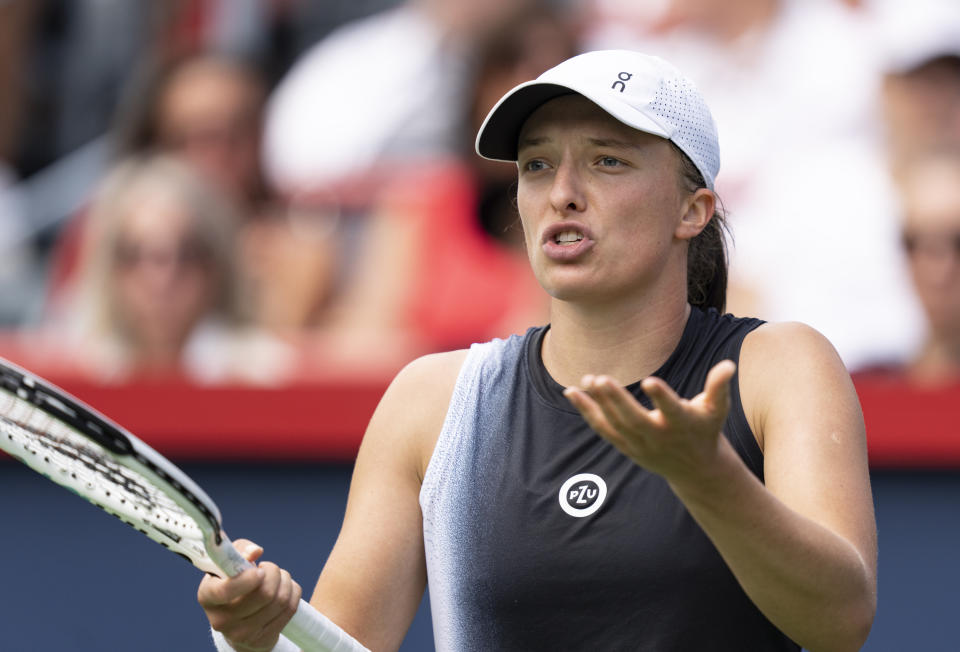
(498, 136)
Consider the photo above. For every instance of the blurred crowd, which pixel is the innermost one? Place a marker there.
(259, 190)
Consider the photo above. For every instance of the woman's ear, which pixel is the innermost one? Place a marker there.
(698, 210)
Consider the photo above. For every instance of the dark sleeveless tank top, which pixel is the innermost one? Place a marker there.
(540, 535)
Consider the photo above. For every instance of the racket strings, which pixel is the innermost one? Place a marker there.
(56, 450)
(78, 454)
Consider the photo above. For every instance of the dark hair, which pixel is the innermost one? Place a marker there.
(707, 255)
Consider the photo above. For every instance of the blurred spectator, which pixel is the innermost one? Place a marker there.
(75, 56)
(539, 37)
(352, 115)
(923, 107)
(931, 240)
(63, 65)
(442, 263)
(208, 108)
(18, 262)
(921, 83)
(294, 260)
(794, 89)
(158, 293)
(377, 92)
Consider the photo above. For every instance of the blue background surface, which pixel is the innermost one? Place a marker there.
(76, 579)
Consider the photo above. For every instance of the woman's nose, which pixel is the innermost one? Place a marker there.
(566, 193)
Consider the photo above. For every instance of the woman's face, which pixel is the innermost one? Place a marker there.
(210, 114)
(164, 277)
(600, 202)
(931, 232)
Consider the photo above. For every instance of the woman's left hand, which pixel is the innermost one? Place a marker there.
(678, 439)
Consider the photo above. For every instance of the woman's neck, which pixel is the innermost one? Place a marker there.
(628, 344)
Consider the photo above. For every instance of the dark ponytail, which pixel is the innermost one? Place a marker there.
(707, 255)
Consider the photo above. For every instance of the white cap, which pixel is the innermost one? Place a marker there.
(639, 90)
(911, 37)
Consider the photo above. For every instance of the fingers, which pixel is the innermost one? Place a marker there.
(717, 387)
(619, 406)
(592, 413)
(215, 592)
(675, 438)
(258, 618)
(609, 407)
(247, 548)
(255, 619)
(271, 600)
(663, 397)
(284, 604)
(252, 608)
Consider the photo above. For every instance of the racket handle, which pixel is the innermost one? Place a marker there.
(314, 632)
(308, 628)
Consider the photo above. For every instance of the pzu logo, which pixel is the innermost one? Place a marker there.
(583, 494)
(622, 77)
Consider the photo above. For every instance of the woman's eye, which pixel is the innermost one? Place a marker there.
(609, 161)
(535, 165)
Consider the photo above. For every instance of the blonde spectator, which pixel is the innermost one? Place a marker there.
(158, 290)
(207, 108)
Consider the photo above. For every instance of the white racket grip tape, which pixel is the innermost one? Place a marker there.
(310, 626)
(309, 629)
(312, 631)
(222, 645)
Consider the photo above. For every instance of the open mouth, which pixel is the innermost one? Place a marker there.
(568, 237)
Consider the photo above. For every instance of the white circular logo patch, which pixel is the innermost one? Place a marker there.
(582, 494)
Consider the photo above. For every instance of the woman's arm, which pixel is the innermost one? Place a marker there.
(803, 546)
(373, 581)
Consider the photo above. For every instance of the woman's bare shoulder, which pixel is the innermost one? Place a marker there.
(790, 367)
(775, 344)
(412, 411)
(430, 378)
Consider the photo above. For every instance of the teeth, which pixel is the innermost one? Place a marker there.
(566, 237)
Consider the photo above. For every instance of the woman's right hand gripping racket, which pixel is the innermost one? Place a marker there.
(74, 446)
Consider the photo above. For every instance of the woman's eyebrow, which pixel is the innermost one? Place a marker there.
(612, 142)
(532, 141)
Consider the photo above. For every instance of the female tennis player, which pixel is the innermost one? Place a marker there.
(643, 473)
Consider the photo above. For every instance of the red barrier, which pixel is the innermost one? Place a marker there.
(303, 421)
(910, 427)
(324, 419)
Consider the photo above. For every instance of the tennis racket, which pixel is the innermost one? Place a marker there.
(74, 446)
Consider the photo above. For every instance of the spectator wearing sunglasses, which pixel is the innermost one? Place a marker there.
(158, 293)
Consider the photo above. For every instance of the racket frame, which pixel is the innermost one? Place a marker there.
(309, 629)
